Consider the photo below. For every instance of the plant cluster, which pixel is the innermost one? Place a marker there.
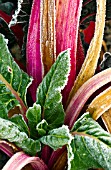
(55, 84)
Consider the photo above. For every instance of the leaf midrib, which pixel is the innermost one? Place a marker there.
(23, 107)
(90, 136)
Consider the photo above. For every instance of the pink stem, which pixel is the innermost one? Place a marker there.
(46, 153)
(54, 156)
(6, 148)
(34, 63)
(79, 55)
(20, 159)
(82, 95)
(67, 24)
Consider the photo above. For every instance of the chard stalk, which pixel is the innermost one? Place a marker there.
(90, 63)
(20, 159)
(82, 95)
(47, 37)
(34, 63)
(8, 148)
(67, 24)
(106, 117)
(58, 159)
(100, 104)
(80, 56)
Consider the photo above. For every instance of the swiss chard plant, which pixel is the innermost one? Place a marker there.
(56, 114)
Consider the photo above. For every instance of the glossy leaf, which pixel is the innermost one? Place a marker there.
(10, 131)
(91, 145)
(57, 138)
(20, 122)
(34, 117)
(13, 81)
(48, 92)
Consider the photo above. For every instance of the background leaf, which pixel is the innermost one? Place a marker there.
(91, 145)
(57, 138)
(12, 40)
(22, 14)
(23, 11)
(10, 131)
(89, 11)
(7, 7)
(13, 81)
(48, 92)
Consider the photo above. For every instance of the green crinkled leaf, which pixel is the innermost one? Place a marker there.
(3, 111)
(10, 131)
(34, 117)
(13, 81)
(57, 138)
(20, 122)
(91, 145)
(42, 128)
(48, 92)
